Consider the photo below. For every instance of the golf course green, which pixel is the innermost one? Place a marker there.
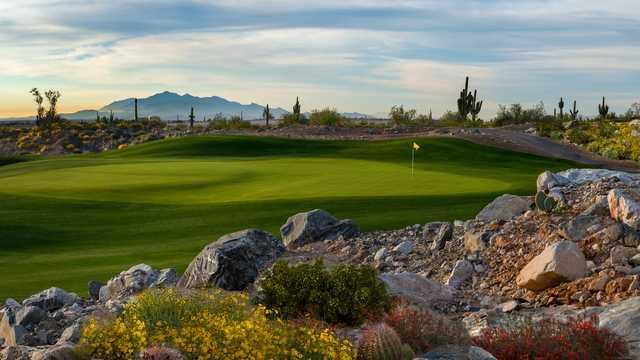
(67, 220)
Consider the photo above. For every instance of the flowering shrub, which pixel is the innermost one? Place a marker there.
(345, 294)
(577, 339)
(206, 325)
(422, 330)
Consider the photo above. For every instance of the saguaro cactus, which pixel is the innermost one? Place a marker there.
(135, 110)
(467, 102)
(296, 109)
(603, 109)
(574, 112)
(267, 115)
(191, 119)
(561, 106)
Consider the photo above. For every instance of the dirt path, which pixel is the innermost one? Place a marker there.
(497, 137)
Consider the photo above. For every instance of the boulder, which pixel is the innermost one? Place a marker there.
(51, 299)
(132, 281)
(404, 248)
(560, 262)
(580, 176)
(624, 319)
(380, 254)
(548, 180)
(504, 207)
(94, 289)
(316, 225)
(576, 228)
(12, 333)
(438, 233)
(621, 255)
(30, 315)
(417, 289)
(70, 335)
(461, 272)
(476, 240)
(234, 261)
(624, 206)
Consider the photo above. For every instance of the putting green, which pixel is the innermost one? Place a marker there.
(68, 220)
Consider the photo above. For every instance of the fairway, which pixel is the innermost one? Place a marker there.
(65, 221)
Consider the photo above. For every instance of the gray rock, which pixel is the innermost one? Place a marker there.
(316, 225)
(576, 228)
(404, 248)
(508, 306)
(559, 262)
(51, 299)
(71, 334)
(418, 290)
(234, 261)
(130, 282)
(94, 289)
(624, 319)
(462, 271)
(476, 240)
(12, 333)
(504, 208)
(11, 303)
(380, 254)
(580, 176)
(30, 315)
(621, 255)
(457, 352)
(624, 206)
(612, 232)
(166, 278)
(438, 233)
(16, 353)
(548, 180)
(635, 260)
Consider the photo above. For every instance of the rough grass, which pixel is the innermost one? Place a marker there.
(68, 220)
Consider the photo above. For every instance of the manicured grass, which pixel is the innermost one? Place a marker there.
(68, 220)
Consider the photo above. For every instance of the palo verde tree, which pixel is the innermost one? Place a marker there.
(266, 114)
(467, 102)
(603, 109)
(296, 110)
(37, 97)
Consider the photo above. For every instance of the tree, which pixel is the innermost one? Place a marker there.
(400, 116)
(266, 114)
(52, 97)
(40, 109)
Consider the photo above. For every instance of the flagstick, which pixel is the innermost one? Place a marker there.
(413, 152)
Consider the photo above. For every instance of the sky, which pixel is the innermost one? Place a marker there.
(354, 55)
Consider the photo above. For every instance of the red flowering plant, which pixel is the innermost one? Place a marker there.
(552, 339)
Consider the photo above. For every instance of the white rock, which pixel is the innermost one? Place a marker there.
(404, 248)
(560, 262)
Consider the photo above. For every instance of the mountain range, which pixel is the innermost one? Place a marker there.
(171, 106)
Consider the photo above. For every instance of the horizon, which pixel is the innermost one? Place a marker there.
(357, 56)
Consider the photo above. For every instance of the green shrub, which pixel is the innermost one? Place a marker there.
(345, 294)
(328, 117)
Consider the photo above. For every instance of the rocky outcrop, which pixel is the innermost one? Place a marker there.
(624, 206)
(234, 261)
(504, 208)
(418, 290)
(134, 280)
(624, 319)
(560, 262)
(316, 225)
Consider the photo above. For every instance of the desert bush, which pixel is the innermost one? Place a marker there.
(381, 342)
(516, 114)
(551, 339)
(327, 116)
(423, 330)
(292, 119)
(205, 325)
(399, 116)
(345, 294)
